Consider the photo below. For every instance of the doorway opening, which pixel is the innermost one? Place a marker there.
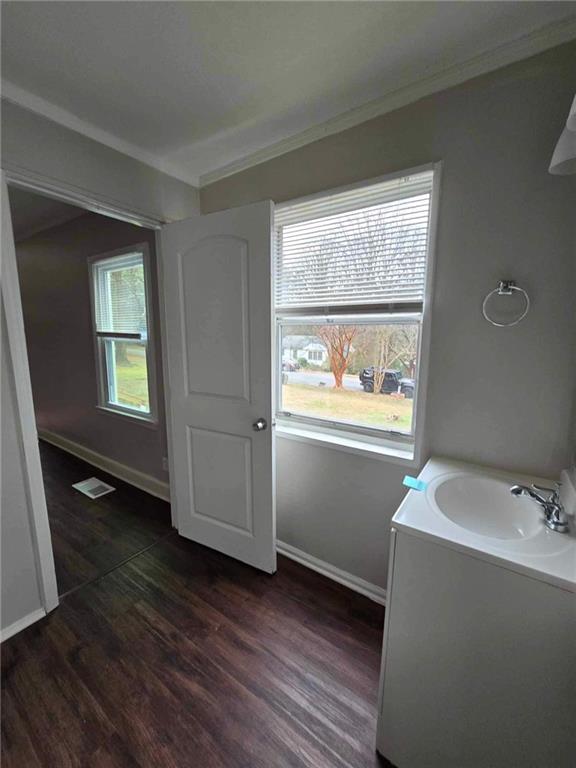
(98, 392)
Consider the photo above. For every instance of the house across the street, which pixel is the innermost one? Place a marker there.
(309, 348)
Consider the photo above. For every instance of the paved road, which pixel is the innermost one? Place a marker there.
(317, 378)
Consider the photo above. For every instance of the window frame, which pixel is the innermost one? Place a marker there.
(401, 447)
(103, 403)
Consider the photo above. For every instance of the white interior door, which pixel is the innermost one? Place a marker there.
(217, 275)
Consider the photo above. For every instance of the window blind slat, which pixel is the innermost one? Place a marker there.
(362, 246)
(340, 202)
(120, 295)
(412, 206)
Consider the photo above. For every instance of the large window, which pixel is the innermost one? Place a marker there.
(121, 323)
(350, 283)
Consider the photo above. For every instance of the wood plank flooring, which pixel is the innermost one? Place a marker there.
(91, 536)
(184, 658)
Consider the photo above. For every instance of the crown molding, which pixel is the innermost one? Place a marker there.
(521, 48)
(508, 53)
(39, 106)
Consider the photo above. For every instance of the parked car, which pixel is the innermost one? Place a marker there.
(290, 365)
(393, 382)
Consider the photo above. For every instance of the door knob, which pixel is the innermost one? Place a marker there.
(259, 425)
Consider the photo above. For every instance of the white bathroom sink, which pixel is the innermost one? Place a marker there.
(484, 505)
(470, 508)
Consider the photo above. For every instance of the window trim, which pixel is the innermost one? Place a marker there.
(397, 447)
(386, 450)
(103, 405)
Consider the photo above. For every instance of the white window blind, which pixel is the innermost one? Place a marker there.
(120, 295)
(365, 246)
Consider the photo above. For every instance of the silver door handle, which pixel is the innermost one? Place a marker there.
(259, 425)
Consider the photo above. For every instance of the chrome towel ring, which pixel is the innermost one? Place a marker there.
(506, 288)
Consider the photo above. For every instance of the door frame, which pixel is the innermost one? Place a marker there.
(32, 470)
(81, 198)
(10, 288)
(160, 282)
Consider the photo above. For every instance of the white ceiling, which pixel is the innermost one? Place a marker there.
(192, 87)
(32, 213)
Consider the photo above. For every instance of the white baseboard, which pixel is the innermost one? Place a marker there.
(366, 588)
(141, 480)
(21, 624)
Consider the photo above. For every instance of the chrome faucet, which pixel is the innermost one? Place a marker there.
(554, 516)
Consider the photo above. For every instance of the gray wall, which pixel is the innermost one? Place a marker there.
(55, 290)
(501, 397)
(20, 587)
(46, 150)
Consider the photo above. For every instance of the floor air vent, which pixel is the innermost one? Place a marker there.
(93, 487)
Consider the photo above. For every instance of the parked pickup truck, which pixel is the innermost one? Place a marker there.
(393, 382)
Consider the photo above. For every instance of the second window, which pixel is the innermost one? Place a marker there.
(121, 320)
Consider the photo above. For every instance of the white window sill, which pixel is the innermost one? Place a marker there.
(349, 442)
(133, 418)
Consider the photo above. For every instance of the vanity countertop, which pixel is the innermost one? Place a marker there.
(527, 547)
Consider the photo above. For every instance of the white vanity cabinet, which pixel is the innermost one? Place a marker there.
(479, 664)
(479, 660)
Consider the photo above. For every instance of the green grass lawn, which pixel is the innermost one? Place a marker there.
(132, 379)
(345, 405)
(323, 402)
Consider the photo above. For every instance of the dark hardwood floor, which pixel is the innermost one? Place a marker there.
(182, 657)
(92, 536)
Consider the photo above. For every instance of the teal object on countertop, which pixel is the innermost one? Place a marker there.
(414, 483)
